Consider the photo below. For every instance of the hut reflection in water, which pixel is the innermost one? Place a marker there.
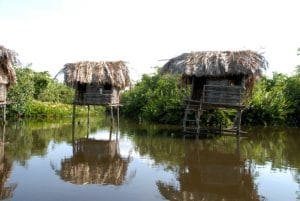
(211, 174)
(6, 190)
(95, 162)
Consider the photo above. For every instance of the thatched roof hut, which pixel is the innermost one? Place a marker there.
(220, 79)
(217, 64)
(7, 72)
(97, 83)
(115, 74)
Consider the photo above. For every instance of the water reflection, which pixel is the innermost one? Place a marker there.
(6, 191)
(163, 167)
(95, 162)
(211, 173)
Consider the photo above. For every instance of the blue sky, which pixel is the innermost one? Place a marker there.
(50, 33)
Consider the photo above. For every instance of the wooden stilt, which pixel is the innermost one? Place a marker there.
(238, 152)
(118, 115)
(88, 115)
(112, 115)
(3, 137)
(73, 136)
(239, 118)
(73, 115)
(110, 132)
(4, 113)
(88, 122)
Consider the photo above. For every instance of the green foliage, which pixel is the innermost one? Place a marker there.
(22, 93)
(49, 109)
(275, 101)
(293, 94)
(41, 81)
(57, 93)
(155, 98)
(37, 95)
(269, 104)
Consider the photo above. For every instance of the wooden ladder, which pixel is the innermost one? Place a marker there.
(191, 120)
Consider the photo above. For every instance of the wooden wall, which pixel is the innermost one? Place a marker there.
(218, 91)
(3, 89)
(96, 95)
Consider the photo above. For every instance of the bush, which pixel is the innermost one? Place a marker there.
(22, 93)
(35, 88)
(270, 104)
(49, 109)
(155, 98)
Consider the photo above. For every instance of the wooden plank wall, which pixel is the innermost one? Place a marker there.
(96, 95)
(227, 95)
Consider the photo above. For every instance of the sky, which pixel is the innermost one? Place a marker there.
(146, 33)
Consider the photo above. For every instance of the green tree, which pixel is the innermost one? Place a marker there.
(155, 98)
(41, 81)
(22, 93)
(57, 93)
(269, 104)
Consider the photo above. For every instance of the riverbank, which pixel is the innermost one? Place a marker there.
(39, 109)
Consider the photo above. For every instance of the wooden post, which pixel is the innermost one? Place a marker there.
(112, 115)
(88, 122)
(238, 151)
(239, 118)
(4, 113)
(118, 115)
(74, 113)
(110, 132)
(73, 136)
(3, 138)
(88, 115)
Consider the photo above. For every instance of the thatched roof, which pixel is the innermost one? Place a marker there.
(7, 72)
(103, 72)
(217, 64)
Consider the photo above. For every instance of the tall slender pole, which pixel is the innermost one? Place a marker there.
(238, 150)
(118, 115)
(73, 137)
(73, 116)
(4, 113)
(112, 115)
(88, 122)
(110, 132)
(239, 118)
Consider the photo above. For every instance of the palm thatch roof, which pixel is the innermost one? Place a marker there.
(217, 64)
(103, 72)
(7, 72)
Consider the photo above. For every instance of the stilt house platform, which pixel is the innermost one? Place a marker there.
(219, 80)
(7, 76)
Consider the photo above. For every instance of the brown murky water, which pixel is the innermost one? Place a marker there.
(47, 161)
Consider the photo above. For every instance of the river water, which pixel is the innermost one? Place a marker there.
(51, 160)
